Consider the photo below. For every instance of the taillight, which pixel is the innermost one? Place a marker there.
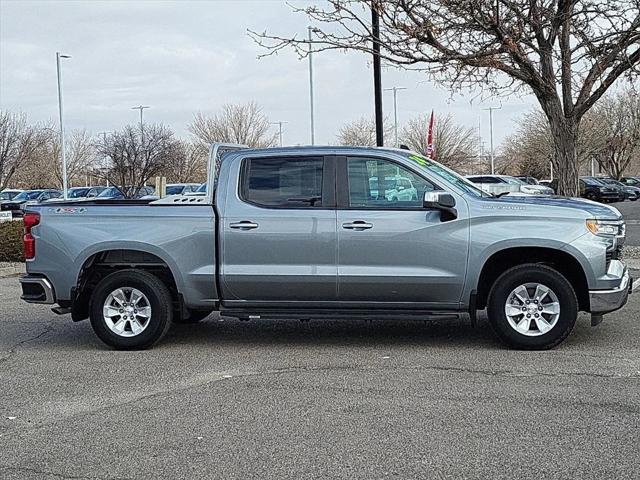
(30, 220)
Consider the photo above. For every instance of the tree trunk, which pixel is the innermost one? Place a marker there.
(565, 161)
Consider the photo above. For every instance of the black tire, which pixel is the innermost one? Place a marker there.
(195, 316)
(159, 301)
(532, 273)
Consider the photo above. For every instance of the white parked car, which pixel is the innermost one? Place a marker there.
(507, 185)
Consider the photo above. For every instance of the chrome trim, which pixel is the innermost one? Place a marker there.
(49, 297)
(605, 301)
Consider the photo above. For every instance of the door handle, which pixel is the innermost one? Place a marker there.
(244, 225)
(357, 225)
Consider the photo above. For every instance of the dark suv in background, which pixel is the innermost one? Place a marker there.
(595, 189)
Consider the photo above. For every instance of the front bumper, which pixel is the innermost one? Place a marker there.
(605, 301)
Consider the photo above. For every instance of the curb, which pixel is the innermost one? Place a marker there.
(12, 270)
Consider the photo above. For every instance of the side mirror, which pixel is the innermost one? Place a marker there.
(441, 201)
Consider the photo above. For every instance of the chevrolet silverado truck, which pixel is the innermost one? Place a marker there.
(310, 233)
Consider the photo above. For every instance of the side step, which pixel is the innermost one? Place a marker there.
(322, 314)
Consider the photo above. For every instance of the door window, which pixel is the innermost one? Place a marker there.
(377, 183)
(283, 182)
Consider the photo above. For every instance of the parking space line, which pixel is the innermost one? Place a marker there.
(636, 284)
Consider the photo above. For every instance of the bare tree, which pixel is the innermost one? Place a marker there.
(18, 141)
(243, 124)
(81, 154)
(618, 128)
(187, 162)
(135, 156)
(568, 53)
(361, 132)
(454, 145)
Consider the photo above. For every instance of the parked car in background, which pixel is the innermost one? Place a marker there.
(27, 198)
(620, 194)
(8, 194)
(84, 192)
(630, 192)
(175, 189)
(632, 181)
(533, 185)
(593, 189)
(507, 185)
(201, 190)
(396, 188)
(115, 193)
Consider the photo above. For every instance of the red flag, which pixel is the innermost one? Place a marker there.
(430, 138)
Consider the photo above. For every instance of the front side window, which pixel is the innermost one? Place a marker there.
(378, 183)
(283, 182)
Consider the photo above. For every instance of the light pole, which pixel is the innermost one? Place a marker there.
(63, 152)
(395, 108)
(279, 129)
(311, 30)
(493, 163)
(141, 108)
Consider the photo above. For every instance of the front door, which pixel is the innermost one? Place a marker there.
(390, 249)
(279, 233)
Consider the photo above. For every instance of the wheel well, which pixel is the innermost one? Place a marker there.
(563, 262)
(101, 264)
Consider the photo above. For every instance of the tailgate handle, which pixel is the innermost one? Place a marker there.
(357, 225)
(244, 225)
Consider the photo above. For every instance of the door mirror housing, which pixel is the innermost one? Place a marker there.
(442, 201)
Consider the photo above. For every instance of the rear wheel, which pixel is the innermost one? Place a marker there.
(130, 309)
(532, 307)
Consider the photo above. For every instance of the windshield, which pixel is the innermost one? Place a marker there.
(24, 196)
(174, 189)
(77, 192)
(446, 174)
(592, 181)
(513, 181)
(109, 192)
(8, 195)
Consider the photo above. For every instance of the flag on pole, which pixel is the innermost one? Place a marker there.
(430, 138)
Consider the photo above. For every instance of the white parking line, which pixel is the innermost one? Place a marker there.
(636, 284)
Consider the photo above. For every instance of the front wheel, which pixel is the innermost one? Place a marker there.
(532, 307)
(131, 309)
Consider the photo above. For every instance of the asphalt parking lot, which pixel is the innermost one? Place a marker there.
(631, 212)
(228, 399)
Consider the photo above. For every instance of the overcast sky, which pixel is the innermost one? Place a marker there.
(183, 57)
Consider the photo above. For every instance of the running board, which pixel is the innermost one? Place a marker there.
(326, 314)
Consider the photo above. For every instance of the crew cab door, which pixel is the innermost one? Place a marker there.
(278, 241)
(391, 250)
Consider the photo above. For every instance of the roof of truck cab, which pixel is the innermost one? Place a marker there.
(309, 149)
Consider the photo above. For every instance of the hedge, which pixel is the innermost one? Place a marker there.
(11, 241)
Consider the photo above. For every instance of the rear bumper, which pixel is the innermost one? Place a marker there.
(37, 290)
(605, 301)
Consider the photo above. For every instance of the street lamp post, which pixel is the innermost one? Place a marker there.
(491, 109)
(63, 152)
(279, 129)
(395, 109)
(311, 99)
(141, 108)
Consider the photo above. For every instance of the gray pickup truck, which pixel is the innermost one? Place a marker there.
(310, 232)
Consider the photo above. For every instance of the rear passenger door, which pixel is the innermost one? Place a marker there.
(278, 239)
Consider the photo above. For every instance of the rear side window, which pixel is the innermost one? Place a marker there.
(283, 182)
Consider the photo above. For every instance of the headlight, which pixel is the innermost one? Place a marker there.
(606, 228)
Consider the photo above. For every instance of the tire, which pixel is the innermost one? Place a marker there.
(195, 316)
(510, 329)
(149, 291)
